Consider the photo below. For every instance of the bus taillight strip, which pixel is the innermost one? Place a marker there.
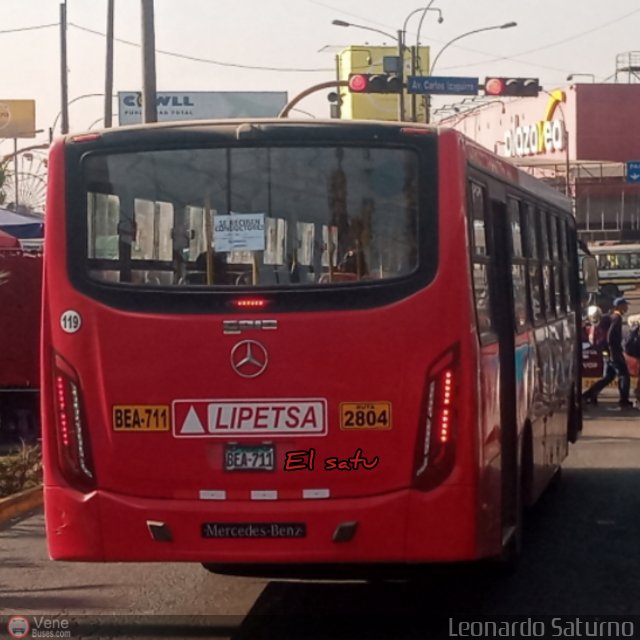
(436, 439)
(73, 443)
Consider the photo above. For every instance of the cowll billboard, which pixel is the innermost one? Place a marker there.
(202, 105)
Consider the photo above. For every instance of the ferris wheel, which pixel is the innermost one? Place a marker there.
(29, 190)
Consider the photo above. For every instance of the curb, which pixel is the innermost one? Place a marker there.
(19, 503)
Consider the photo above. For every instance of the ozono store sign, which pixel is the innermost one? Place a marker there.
(540, 137)
(544, 136)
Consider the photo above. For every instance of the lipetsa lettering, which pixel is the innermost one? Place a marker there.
(249, 417)
(254, 417)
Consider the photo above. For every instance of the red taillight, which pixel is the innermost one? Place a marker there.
(415, 131)
(250, 303)
(73, 444)
(435, 448)
(86, 137)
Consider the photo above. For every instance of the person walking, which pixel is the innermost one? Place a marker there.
(615, 363)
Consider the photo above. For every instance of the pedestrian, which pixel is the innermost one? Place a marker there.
(614, 360)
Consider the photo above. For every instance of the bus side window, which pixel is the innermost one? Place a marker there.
(556, 253)
(518, 266)
(480, 262)
(547, 268)
(534, 269)
(566, 262)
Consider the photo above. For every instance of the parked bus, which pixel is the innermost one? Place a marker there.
(302, 345)
(618, 267)
(21, 238)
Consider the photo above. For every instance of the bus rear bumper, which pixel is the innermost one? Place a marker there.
(401, 527)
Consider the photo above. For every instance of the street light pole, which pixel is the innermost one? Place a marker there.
(401, 75)
(64, 127)
(415, 50)
(402, 48)
(149, 95)
(399, 41)
(69, 103)
(108, 81)
(506, 25)
(571, 76)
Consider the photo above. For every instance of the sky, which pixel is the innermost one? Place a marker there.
(277, 45)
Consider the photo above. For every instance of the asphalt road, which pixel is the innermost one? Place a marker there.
(581, 557)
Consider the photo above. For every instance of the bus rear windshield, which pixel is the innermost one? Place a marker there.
(251, 216)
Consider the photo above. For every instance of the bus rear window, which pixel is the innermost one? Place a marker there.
(251, 216)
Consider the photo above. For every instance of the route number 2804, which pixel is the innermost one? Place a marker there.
(365, 415)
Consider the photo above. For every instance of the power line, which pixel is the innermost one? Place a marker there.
(512, 58)
(577, 36)
(203, 60)
(33, 28)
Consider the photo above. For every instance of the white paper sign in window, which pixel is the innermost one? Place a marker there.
(276, 239)
(306, 238)
(239, 232)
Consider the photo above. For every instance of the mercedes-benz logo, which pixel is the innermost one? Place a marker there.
(249, 359)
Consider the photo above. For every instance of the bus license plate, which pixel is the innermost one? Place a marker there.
(239, 457)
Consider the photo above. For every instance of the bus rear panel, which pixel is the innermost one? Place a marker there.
(260, 347)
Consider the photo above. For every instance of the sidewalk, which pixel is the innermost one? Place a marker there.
(19, 503)
(20, 467)
(608, 406)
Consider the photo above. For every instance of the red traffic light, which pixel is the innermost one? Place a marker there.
(375, 83)
(358, 82)
(494, 87)
(516, 87)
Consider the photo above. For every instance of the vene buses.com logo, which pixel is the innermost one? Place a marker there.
(18, 627)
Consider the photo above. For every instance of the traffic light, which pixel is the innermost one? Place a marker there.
(521, 87)
(375, 83)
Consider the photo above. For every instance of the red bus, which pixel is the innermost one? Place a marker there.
(295, 344)
(20, 300)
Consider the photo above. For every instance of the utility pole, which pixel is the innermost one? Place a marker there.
(64, 92)
(15, 169)
(149, 102)
(414, 97)
(401, 75)
(108, 82)
(339, 100)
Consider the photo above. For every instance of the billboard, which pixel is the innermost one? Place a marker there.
(17, 118)
(202, 105)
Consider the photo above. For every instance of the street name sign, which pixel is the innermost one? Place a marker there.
(443, 85)
(633, 171)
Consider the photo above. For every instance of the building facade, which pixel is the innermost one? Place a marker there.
(580, 138)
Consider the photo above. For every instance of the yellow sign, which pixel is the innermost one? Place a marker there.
(378, 106)
(365, 415)
(141, 417)
(17, 118)
(544, 136)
